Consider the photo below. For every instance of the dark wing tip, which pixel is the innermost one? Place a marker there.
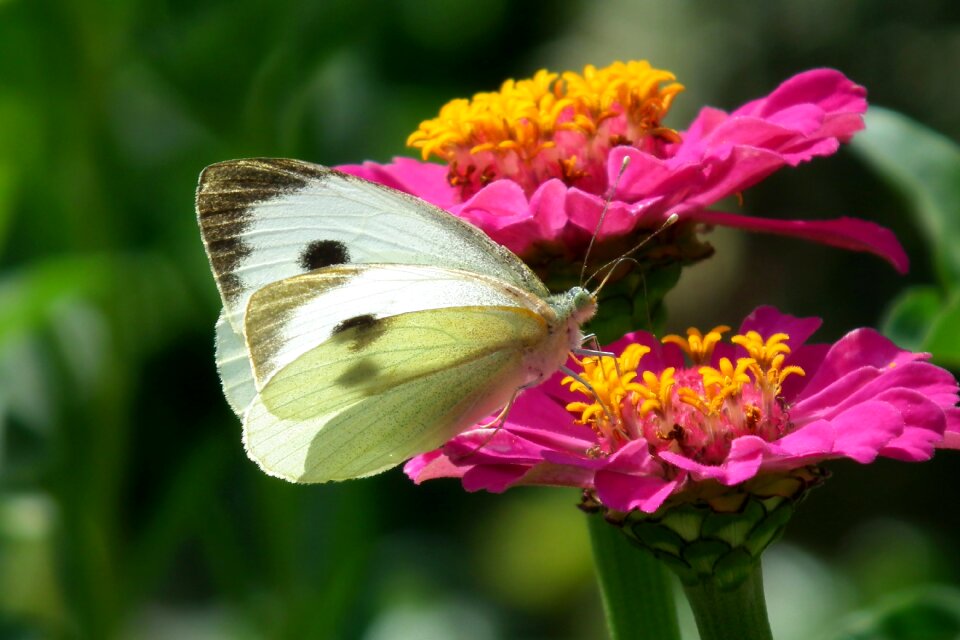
(258, 174)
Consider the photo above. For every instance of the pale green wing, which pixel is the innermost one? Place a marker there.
(233, 364)
(263, 220)
(286, 319)
(364, 401)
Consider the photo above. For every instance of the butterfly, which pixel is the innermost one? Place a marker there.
(362, 326)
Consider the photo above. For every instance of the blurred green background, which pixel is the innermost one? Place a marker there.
(127, 506)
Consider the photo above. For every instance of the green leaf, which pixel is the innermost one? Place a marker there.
(20, 134)
(930, 613)
(925, 166)
(29, 297)
(909, 317)
(943, 340)
(920, 319)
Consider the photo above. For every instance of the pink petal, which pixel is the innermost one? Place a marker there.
(632, 479)
(864, 430)
(729, 169)
(924, 423)
(648, 177)
(501, 209)
(583, 210)
(558, 475)
(548, 206)
(835, 94)
(767, 321)
(853, 351)
(951, 435)
(538, 416)
(425, 180)
(632, 457)
(866, 383)
(807, 116)
(808, 444)
(489, 446)
(430, 466)
(845, 233)
(742, 462)
(625, 492)
(495, 478)
(536, 426)
(859, 433)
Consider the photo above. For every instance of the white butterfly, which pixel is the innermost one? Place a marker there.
(362, 326)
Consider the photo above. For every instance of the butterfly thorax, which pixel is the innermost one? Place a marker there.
(572, 309)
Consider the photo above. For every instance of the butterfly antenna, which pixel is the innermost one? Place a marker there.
(603, 214)
(646, 300)
(613, 264)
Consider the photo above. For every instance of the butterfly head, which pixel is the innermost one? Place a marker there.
(575, 306)
(583, 304)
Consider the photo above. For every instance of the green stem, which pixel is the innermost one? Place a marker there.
(637, 596)
(738, 613)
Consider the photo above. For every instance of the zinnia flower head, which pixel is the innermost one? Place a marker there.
(673, 421)
(533, 163)
(551, 126)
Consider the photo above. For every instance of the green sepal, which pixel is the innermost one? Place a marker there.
(704, 539)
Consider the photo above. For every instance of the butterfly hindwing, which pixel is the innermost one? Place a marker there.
(353, 407)
(288, 318)
(234, 367)
(263, 220)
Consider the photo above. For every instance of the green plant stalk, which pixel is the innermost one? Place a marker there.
(738, 613)
(637, 594)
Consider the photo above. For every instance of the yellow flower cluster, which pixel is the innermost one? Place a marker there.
(609, 381)
(524, 116)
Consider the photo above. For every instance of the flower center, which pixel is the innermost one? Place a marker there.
(696, 411)
(550, 126)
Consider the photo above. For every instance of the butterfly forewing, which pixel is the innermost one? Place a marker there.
(264, 220)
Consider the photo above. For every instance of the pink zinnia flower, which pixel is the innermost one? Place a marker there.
(532, 164)
(652, 427)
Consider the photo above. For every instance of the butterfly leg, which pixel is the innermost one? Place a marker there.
(596, 396)
(498, 422)
(597, 352)
(502, 416)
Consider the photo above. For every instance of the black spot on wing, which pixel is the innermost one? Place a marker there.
(226, 195)
(361, 331)
(362, 323)
(324, 253)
